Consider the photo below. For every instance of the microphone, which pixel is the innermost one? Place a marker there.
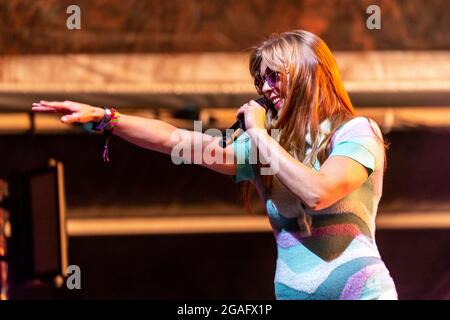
(239, 126)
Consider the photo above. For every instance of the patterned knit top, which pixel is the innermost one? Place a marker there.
(329, 253)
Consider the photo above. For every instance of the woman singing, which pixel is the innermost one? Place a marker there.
(326, 168)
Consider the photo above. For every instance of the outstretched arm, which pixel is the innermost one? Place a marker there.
(152, 134)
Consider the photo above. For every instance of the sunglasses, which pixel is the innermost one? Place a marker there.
(272, 78)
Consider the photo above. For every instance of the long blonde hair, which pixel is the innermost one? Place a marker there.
(313, 91)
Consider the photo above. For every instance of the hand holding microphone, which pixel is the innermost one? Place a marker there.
(239, 126)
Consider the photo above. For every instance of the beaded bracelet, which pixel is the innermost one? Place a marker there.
(107, 125)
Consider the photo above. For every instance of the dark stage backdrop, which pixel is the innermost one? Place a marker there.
(237, 265)
(416, 179)
(229, 266)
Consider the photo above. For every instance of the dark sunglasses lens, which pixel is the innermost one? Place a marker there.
(259, 82)
(272, 79)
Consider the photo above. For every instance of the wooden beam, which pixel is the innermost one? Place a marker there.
(227, 224)
(221, 118)
(208, 79)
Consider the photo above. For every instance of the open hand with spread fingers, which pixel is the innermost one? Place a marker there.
(73, 112)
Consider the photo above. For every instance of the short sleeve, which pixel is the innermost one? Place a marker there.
(361, 140)
(242, 150)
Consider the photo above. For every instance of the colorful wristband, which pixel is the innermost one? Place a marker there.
(107, 125)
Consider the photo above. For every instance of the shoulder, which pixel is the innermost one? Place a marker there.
(358, 127)
(361, 139)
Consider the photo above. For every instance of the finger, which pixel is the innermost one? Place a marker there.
(43, 109)
(37, 104)
(59, 105)
(37, 107)
(71, 118)
(80, 117)
(241, 110)
(56, 108)
(253, 103)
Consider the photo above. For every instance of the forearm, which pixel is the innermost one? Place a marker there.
(191, 146)
(147, 133)
(306, 184)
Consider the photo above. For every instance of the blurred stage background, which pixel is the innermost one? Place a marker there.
(142, 227)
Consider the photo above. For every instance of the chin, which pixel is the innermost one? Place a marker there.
(279, 110)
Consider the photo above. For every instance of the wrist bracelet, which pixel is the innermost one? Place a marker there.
(103, 123)
(107, 125)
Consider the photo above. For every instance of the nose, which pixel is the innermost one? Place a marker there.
(266, 89)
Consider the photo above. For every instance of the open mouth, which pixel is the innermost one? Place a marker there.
(276, 103)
